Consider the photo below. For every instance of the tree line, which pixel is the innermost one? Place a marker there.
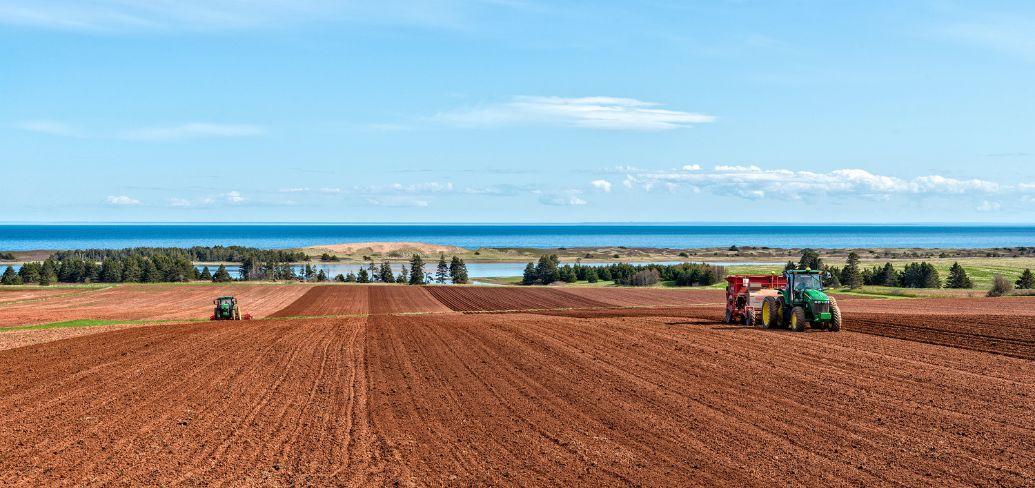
(549, 270)
(455, 272)
(230, 254)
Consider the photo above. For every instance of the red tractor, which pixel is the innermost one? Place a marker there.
(745, 294)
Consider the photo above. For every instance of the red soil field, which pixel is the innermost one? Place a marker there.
(510, 399)
(10, 295)
(651, 297)
(157, 302)
(475, 299)
(329, 300)
(404, 299)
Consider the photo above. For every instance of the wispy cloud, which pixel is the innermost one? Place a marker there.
(50, 127)
(194, 130)
(569, 198)
(233, 196)
(395, 201)
(589, 112)
(122, 200)
(602, 185)
(753, 182)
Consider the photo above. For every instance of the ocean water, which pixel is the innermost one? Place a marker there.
(270, 236)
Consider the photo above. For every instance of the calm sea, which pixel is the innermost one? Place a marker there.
(28, 237)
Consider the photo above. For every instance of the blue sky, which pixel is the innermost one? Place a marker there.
(517, 111)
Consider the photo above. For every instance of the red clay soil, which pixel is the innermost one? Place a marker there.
(476, 299)
(404, 299)
(134, 302)
(510, 399)
(329, 300)
(651, 297)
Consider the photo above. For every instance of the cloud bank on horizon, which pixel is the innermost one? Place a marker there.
(475, 110)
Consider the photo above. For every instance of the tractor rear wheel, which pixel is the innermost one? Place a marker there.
(769, 317)
(835, 316)
(797, 322)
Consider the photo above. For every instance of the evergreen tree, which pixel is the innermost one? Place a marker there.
(112, 270)
(206, 274)
(309, 272)
(888, 276)
(44, 279)
(458, 271)
(958, 277)
(351, 277)
(364, 276)
(591, 274)
(10, 277)
(340, 278)
(850, 275)
(416, 270)
(386, 275)
(810, 260)
(132, 272)
(321, 276)
(529, 276)
(442, 271)
(546, 269)
(789, 266)
(149, 272)
(404, 276)
(566, 274)
(222, 275)
(1026, 281)
(30, 273)
(373, 273)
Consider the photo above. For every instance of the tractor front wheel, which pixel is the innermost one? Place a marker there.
(797, 323)
(835, 316)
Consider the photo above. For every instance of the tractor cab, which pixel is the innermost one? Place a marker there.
(226, 309)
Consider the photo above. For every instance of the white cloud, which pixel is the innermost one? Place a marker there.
(179, 202)
(330, 190)
(233, 196)
(753, 182)
(50, 127)
(122, 200)
(587, 112)
(194, 130)
(691, 167)
(562, 199)
(602, 185)
(298, 189)
(397, 202)
(987, 206)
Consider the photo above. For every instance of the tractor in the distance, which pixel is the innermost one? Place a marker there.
(801, 302)
(227, 309)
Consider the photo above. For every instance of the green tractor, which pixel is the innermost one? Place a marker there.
(227, 309)
(802, 302)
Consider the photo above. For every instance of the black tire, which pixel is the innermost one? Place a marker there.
(797, 320)
(728, 317)
(769, 313)
(835, 316)
(749, 319)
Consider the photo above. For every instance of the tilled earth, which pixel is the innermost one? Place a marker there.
(409, 391)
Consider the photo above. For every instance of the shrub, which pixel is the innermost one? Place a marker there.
(1000, 286)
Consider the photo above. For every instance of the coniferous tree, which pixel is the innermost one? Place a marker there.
(810, 260)
(321, 276)
(351, 277)
(206, 274)
(458, 271)
(850, 274)
(30, 273)
(958, 277)
(222, 275)
(386, 275)
(1026, 281)
(132, 272)
(363, 277)
(529, 276)
(789, 266)
(10, 277)
(591, 275)
(373, 273)
(416, 270)
(442, 270)
(547, 268)
(340, 278)
(404, 276)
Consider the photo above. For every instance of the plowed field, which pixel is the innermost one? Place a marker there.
(477, 299)
(522, 399)
(329, 300)
(157, 302)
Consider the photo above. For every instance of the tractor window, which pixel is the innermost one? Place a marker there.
(808, 281)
